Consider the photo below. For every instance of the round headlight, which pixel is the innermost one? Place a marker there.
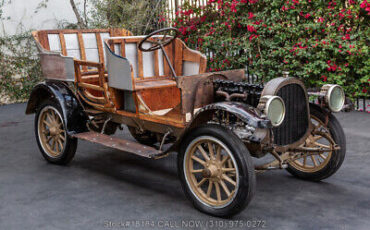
(274, 109)
(334, 98)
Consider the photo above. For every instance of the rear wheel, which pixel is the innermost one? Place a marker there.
(53, 141)
(320, 165)
(216, 171)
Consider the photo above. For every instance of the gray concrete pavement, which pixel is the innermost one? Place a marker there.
(102, 188)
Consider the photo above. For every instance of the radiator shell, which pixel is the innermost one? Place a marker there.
(296, 126)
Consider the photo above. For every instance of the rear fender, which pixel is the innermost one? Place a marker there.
(73, 114)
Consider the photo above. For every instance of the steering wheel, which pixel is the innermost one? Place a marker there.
(159, 42)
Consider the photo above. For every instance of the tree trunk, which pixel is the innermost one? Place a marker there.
(80, 22)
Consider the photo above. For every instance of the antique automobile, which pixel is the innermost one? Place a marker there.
(98, 80)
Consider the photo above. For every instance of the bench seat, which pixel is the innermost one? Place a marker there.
(162, 83)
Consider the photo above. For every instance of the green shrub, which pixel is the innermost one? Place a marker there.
(19, 66)
(139, 17)
(319, 41)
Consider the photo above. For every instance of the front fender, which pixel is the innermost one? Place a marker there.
(72, 112)
(244, 112)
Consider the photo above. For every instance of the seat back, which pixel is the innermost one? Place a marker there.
(147, 65)
(82, 44)
(119, 71)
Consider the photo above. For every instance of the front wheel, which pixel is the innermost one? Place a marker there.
(216, 171)
(54, 143)
(331, 141)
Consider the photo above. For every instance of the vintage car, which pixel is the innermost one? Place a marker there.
(98, 80)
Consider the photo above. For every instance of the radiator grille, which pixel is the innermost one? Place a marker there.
(296, 122)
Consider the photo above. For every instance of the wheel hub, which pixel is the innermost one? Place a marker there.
(54, 131)
(212, 170)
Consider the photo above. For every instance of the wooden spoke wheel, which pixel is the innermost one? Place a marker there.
(216, 170)
(320, 139)
(51, 131)
(329, 140)
(211, 171)
(52, 138)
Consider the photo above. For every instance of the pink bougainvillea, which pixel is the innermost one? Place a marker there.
(319, 41)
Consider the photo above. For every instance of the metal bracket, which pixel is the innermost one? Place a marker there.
(105, 124)
(278, 163)
(163, 139)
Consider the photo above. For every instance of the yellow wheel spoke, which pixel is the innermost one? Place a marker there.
(304, 161)
(54, 116)
(46, 132)
(318, 160)
(50, 117)
(202, 182)
(228, 179)
(198, 160)
(228, 170)
(218, 193)
(323, 146)
(322, 156)
(48, 138)
(225, 159)
(314, 160)
(230, 164)
(60, 144)
(62, 137)
(223, 185)
(57, 147)
(209, 190)
(316, 138)
(218, 153)
(196, 170)
(210, 149)
(204, 154)
(53, 143)
(46, 123)
(317, 127)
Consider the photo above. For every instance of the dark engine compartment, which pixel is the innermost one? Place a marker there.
(296, 120)
(252, 92)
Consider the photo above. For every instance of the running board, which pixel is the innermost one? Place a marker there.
(121, 144)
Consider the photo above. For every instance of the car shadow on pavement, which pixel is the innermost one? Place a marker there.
(155, 175)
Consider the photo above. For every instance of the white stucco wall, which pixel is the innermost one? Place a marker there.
(23, 17)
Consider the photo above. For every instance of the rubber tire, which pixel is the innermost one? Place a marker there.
(241, 154)
(337, 157)
(71, 143)
(146, 138)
